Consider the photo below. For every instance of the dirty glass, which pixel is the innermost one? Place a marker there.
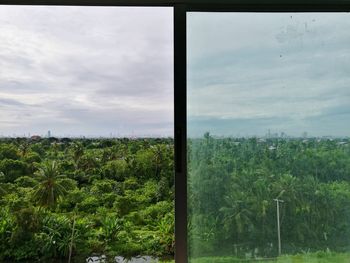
(268, 137)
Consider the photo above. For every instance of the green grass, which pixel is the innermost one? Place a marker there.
(319, 257)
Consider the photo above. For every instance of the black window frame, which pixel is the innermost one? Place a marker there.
(180, 10)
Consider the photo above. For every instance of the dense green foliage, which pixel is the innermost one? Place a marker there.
(118, 194)
(232, 184)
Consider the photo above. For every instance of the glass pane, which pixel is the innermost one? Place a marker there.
(86, 134)
(268, 137)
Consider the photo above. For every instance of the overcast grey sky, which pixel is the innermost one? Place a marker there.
(87, 71)
(251, 72)
(94, 71)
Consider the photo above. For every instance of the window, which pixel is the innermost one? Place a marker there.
(268, 136)
(86, 123)
(297, 140)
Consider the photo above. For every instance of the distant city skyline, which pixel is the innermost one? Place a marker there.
(86, 71)
(268, 134)
(110, 135)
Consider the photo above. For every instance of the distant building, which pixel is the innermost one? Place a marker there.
(35, 138)
(48, 134)
(342, 143)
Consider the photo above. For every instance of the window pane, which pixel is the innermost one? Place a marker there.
(268, 136)
(86, 133)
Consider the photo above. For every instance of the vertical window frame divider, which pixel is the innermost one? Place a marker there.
(180, 129)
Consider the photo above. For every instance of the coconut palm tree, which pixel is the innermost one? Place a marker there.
(24, 148)
(51, 187)
(2, 190)
(78, 152)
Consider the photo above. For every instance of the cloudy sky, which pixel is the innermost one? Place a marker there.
(88, 71)
(97, 71)
(250, 72)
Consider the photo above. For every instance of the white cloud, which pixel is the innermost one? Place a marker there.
(71, 67)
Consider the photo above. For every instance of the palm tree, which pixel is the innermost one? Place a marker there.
(78, 152)
(24, 147)
(51, 187)
(157, 159)
(237, 216)
(2, 190)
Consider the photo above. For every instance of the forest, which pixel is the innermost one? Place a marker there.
(232, 186)
(62, 198)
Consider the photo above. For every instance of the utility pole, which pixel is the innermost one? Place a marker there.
(71, 240)
(278, 201)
